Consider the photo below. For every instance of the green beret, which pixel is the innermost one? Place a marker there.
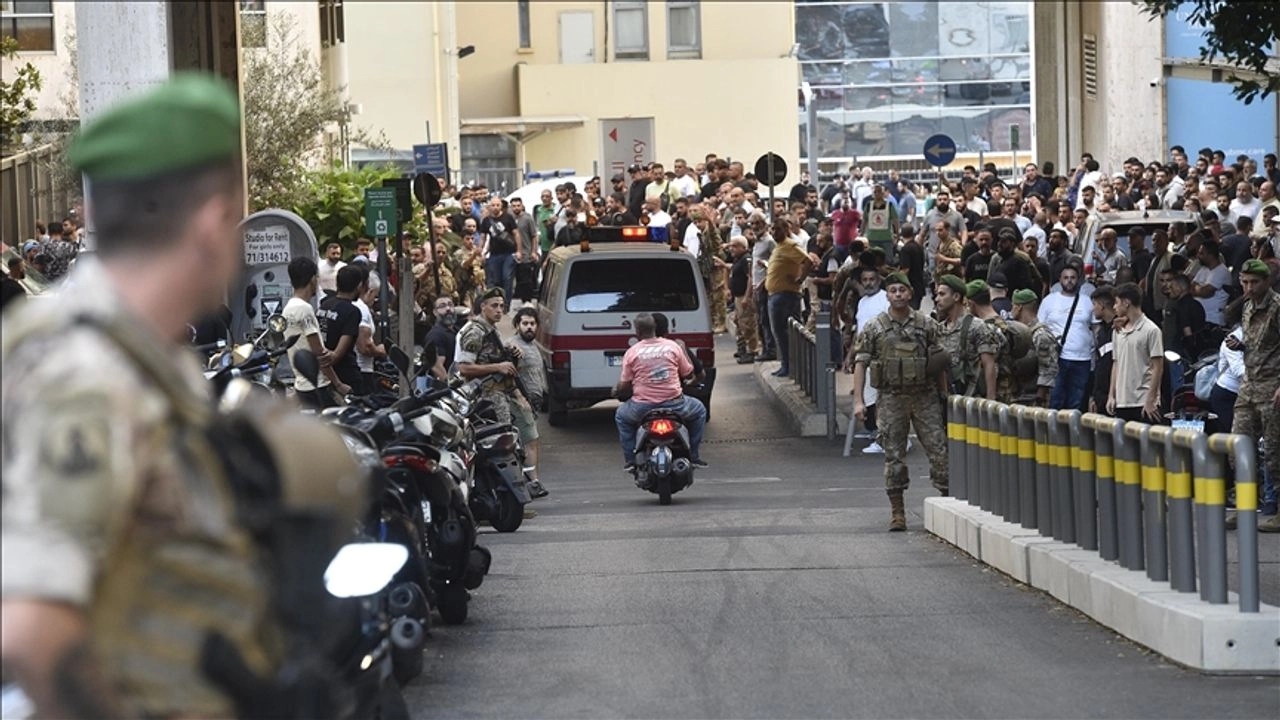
(975, 287)
(952, 282)
(1024, 296)
(1254, 266)
(896, 278)
(877, 251)
(491, 293)
(189, 121)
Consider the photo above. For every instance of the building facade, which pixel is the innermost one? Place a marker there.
(885, 76)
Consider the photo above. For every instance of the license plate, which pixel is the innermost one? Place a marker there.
(614, 360)
(1197, 425)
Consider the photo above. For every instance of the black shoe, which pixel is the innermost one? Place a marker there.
(536, 490)
(629, 468)
(780, 373)
(699, 463)
(746, 359)
(767, 357)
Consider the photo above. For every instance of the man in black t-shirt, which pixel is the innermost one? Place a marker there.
(1104, 312)
(498, 227)
(443, 337)
(911, 261)
(340, 324)
(977, 265)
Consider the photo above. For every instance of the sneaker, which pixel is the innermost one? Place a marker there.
(864, 435)
(1230, 520)
(699, 463)
(629, 468)
(909, 445)
(873, 449)
(530, 513)
(746, 359)
(1269, 524)
(780, 373)
(536, 490)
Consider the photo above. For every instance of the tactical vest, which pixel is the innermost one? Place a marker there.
(902, 359)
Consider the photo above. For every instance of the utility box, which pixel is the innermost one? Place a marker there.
(271, 240)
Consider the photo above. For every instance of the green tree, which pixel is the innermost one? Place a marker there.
(16, 90)
(331, 200)
(1244, 34)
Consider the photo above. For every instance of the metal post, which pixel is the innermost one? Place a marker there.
(1044, 515)
(1129, 495)
(1153, 509)
(1241, 449)
(995, 436)
(1104, 449)
(1182, 545)
(831, 403)
(1026, 467)
(1086, 495)
(970, 489)
(1057, 470)
(770, 163)
(1210, 487)
(984, 455)
(1068, 458)
(955, 445)
(384, 293)
(405, 311)
(1008, 465)
(821, 356)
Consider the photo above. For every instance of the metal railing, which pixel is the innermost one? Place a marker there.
(29, 192)
(809, 361)
(1150, 498)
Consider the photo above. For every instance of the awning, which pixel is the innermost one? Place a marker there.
(520, 128)
(1217, 71)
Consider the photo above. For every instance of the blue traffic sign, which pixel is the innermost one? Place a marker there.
(431, 158)
(939, 150)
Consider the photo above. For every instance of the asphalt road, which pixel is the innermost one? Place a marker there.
(770, 589)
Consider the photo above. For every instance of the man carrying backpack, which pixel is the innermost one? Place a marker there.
(980, 305)
(1042, 365)
(972, 344)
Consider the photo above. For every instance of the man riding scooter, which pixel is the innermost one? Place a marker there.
(652, 374)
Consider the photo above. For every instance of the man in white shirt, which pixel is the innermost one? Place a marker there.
(1068, 311)
(366, 349)
(329, 268)
(1210, 282)
(658, 218)
(684, 182)
(301, 318)
(874, 301)
(761, 250)
(862, 188)
(1245, 203)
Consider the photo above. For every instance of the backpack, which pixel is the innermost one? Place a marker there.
(1018, 335)
(1027, 368)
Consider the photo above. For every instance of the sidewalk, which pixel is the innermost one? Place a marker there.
(798, 410)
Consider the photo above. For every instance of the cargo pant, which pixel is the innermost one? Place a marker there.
(1256, 416)
(897, 411)
(745, 317)
(718, 291)
(767, 344)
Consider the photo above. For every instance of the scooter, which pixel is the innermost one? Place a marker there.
(663, 464)
(1186, 409)
(499, 485)
(255, 360)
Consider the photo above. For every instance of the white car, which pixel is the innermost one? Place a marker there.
(531, 194)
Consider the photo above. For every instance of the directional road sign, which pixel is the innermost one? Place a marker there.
(939, 150)
(771, 169)
(432, 158)
(427, 189)
(380, 212)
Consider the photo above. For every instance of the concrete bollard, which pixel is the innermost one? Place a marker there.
(1044, 507)
(1154, 517)
(1129, 494)
(1026, 467)
(1182, 543)
(1085, 485)
(1104, 452)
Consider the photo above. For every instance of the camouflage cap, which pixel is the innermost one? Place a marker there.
(1024, 296)
(896, 278)
(1254, 266)
(191, 120)
(952, 282)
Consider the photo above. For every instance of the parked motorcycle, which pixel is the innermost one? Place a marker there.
(1186, 409)
(663, 465)
(499, 486)
(256, 360)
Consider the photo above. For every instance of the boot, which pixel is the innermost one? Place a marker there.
(898, 523)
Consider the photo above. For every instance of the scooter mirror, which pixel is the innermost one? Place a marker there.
(277, 324)
(288, 343)
(306, 364)
(400, 360)
(361, 569)
(1172, 356)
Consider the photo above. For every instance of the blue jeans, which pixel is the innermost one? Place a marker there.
(630, 413)
(782, 307)
(1069, 389)
(500, 271)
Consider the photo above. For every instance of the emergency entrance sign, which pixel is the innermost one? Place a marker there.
(268, 246)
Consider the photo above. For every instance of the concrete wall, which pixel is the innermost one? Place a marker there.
(686, 124)
(1127, 118)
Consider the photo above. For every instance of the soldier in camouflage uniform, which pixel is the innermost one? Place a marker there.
(1257, 409)
(481, 353)
(425, 280)
(845, 292)
(713, 278)
(971, 343)
(1042, 365)
(980, 305)
(124, 550)
(468, 271)
(900, 350)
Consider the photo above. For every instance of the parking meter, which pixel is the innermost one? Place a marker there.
(272, 238)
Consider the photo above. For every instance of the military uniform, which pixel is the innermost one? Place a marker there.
(1045, 345)
(713, 278)
(425, 286)
(478, 343)
(966, 348)
(907, 394)
(1004, 360)
(1255, 412)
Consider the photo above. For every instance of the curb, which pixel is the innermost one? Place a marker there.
(800, 412)
(1180, 626)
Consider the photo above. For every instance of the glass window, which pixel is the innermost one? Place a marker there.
(490, 159)
(868, 72)
(837, 32)
(822, 73)
(30, 23)
(684, 29)
(522, 11)
(632, 285)
(913, 29)
(253, 23)
(631, 21)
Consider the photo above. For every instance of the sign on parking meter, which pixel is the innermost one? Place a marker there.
(380, 218)
(272, 239)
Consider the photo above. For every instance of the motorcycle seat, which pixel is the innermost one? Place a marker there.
(409, 450)
(487, 430)
(662, 413)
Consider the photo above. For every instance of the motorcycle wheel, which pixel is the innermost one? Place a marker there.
(664, 491)
(510, 514)
(452, 605)
(391, 704)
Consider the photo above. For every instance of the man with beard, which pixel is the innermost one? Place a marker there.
(1011, 262)
(1068, 317)
(978, 264)
(534, 381)
(942, 212)
(972, 345)
(1153, 296)
(442, 337)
